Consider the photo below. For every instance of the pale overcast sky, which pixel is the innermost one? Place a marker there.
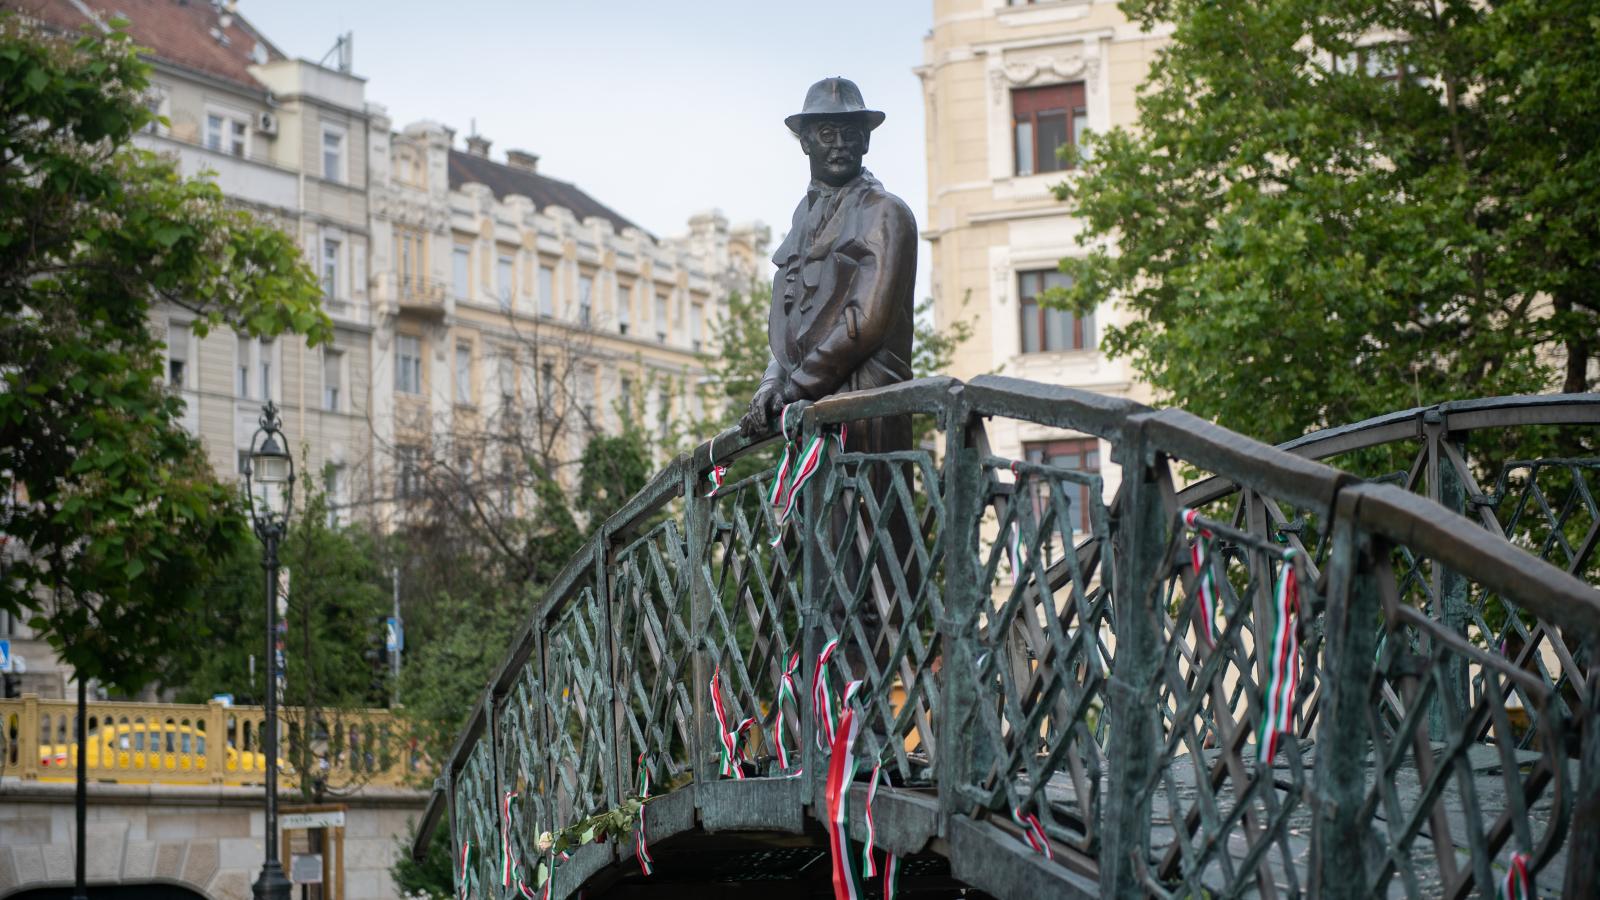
(658, 108)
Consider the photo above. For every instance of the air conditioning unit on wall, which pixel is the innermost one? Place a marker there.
(267, 124)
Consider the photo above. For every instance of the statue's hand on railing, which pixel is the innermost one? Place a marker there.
(764, 407)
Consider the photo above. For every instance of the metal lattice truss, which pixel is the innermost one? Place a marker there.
(1036, 662)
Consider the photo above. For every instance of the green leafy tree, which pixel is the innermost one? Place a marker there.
(614, 467)
(1331, 209)
(431, 879)
(113, 515)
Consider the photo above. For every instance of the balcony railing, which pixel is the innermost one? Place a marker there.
(210, 744)
(424, 296)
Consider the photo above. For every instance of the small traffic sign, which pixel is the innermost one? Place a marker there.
(5, 656)
(394, 635)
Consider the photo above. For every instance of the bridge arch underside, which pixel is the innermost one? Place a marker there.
(754, 838)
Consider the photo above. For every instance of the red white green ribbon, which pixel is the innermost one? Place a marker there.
(791, 478)
(466, 859)
(821, 700)
(841, 773)
(1283, 666)
(786, 695)
(1034, 830)
(717, 472)
(728, 739)
(891, 876)
(508, 868)
(647, 863)
(1205, 578)
(1518, 884)
(869, 868)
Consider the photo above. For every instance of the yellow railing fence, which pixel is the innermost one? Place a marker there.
(207, 744)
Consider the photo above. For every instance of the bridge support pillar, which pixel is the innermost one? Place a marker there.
(1338, 836)
(1140, 541)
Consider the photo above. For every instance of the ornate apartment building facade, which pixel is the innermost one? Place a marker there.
(1008, 83)
(286, 139)
(442, 271)
(517, 314)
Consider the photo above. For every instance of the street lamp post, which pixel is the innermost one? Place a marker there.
(269, 485)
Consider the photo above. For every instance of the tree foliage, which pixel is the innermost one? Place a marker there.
(113, 515)
(1332, 209)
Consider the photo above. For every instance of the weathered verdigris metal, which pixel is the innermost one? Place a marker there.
(1446, 713)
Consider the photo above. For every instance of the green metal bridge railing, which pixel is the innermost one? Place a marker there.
(1027, 650)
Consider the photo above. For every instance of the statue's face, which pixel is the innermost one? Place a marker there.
(835, 147)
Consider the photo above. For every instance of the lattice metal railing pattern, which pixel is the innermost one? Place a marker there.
(1030, 653)
(1044, 648)
(751, 575)
(650, 591)
(878, 533)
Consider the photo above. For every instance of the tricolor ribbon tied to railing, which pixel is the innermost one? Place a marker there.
(1034, 830)
(1517, 884)
(795, 470)
(647, 863)
(848, 878)
(786, 698)
(728, 739)
(508, 867)
(717, 473)
(841, 773)
(466, 860)
(821, 699)
(1283, 663)
(1205, 578)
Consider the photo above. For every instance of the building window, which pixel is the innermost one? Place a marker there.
(461, 270)
(547, 384)
(242, 462)
(330, 268)
(177, 355)
(463, 372)
(547, 291)
(585, 298)
(408, 364)
(664, 400)
(503, 281)
(241, 366)
(332, 379)
(411, 254)
(506, 372)
(227, 133)
(697, 315)
(1050, 329)
(624, 309)
(661, 318)
(332, 154)
(625, 402)
(334, 487)
(586, 395)
(1079, 455)
(265, 367)
(1046, 119)
(408, 472)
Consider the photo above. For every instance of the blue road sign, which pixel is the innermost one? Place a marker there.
(394, 635)
(5, 656)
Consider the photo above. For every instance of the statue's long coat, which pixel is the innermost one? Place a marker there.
(843, 302)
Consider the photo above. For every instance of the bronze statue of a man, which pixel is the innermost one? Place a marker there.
(843, 296)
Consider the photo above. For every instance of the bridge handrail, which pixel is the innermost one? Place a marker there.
(1355, 514)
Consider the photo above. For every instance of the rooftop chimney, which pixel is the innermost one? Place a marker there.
(523, 160)
(478, 145)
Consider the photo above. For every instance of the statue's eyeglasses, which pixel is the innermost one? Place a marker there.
(834, 134)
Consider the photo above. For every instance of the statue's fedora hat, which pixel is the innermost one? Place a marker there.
(834, 98)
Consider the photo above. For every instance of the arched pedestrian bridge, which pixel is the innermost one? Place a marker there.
(1068, 697)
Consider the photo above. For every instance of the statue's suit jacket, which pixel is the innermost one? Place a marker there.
(843, 301)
